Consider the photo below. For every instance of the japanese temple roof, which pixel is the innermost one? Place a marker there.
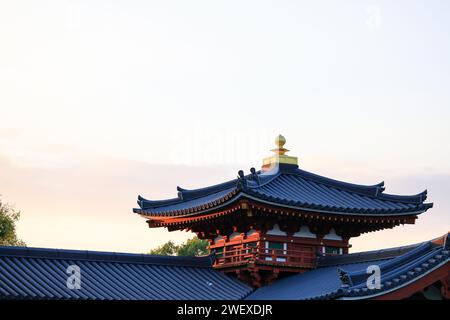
(282, 183)
(345, 276)
(35, 273)
(286, 185)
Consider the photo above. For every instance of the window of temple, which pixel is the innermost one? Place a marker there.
(332, 250)
(276, 249)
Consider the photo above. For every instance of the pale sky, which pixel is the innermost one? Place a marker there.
(103, 100)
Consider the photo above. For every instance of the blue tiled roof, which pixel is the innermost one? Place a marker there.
(33, 273)
(289, 186)
(348, 280)
(311, 284)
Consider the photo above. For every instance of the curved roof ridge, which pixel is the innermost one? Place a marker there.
(147, 204)
(368, 190)
(105, 256)
(185, 194)
(414, 199)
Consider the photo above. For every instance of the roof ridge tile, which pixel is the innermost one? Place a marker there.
(68, 254)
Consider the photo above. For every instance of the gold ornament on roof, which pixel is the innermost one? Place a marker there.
(279, 142)
(280, 156)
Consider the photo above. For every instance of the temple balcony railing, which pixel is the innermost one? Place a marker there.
(261, 255)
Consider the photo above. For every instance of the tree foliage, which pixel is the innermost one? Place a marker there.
(167, 249)
(8, 218)
(192, 247)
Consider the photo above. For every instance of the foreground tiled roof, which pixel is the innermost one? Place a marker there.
(34, 273)
(345, 277)
(288, 186)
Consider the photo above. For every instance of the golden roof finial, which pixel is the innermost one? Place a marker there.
(279, 142)
(280, 157)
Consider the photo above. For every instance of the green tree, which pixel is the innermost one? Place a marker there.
(8, 219)
(167, 249)
(192, 247)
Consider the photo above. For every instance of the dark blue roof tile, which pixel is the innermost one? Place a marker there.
(289, 186)
(34, 273)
